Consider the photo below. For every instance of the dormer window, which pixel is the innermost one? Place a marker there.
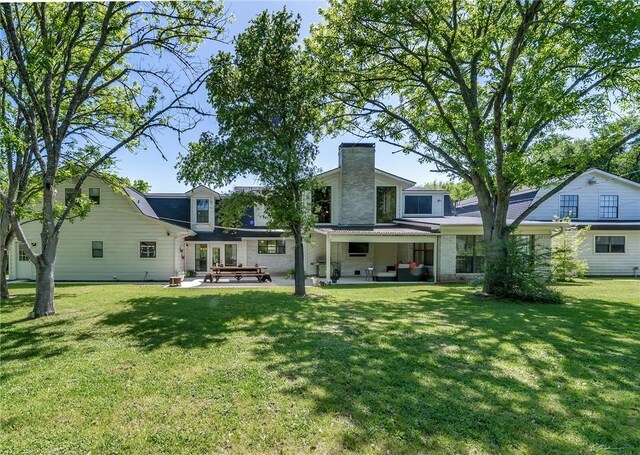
(609, 206)
(202, 210)
(568, 206)
(418, 205)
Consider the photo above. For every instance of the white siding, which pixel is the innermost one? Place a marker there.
(276, 263)
(121, 227)
(612, 263)
(589, 198)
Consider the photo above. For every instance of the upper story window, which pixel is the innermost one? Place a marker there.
(385, 204)
(418, 205)
(322, 204)
(202, 210)
(94, 195)
(68, 194)
(609, 206)
(568, 206)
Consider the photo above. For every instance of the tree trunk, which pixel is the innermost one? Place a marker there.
(45, 284)
(299, 264)
(4, 256)
(496, 235)
(45, 264)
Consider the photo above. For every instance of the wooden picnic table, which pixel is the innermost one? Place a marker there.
(238, 272)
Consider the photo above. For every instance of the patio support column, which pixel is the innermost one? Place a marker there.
(328, 258)
(436, 253)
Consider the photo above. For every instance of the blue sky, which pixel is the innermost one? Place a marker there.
(149, 165)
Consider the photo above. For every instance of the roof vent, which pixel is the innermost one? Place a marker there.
(592, 181)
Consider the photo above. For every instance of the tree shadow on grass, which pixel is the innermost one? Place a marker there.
(447, 367)
(439, 369)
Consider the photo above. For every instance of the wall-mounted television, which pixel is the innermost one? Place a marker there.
(358, 248)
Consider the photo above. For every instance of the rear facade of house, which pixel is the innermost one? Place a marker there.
(370, 222)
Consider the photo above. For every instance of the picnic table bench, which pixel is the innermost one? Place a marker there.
(238, 272)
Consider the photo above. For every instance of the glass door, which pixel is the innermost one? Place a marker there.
(201, 257)
(215, 255)
(231, 254)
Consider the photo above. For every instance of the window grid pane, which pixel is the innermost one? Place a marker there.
(202, 210)
(385, 204)
(97, 249)
(322, 204)
(418, 205)
(271, 247)
(22, 256)
(569, 206)
(609, 206)
(147, 249)
(610, 244)
(94, 195)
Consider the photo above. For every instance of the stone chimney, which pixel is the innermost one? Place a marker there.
(357, 176)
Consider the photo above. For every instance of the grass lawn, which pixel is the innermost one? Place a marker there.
(373, 369)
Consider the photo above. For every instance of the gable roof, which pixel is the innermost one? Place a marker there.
(610, 176)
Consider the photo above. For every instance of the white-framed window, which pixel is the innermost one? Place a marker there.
(418, 205)
(609, 206)
(97, 249)
(94, 195)
(277, 246)
(22, 256)
(202, 210)
(148, 250)
(610, 244)
(385, 204)
(568, 206)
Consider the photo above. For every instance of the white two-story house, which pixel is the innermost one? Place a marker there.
(370, 222)
(609, 205)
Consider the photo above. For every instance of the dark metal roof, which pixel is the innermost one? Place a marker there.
(626, 225)
(175, 210)
(448, 205)
(518, 203)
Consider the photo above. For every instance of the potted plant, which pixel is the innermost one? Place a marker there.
(335, 275)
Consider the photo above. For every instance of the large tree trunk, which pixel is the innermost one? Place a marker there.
(45, 283)
(299, 264)
(496, 236)
(5, 238)
(45, 264)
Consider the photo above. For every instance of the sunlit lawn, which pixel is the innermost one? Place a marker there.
(399, 369)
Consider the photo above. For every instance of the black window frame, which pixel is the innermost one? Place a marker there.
(272, 246)
(566, 206)
(322, 204)
(68, 193)
(201, 211)
(151, 249)
(427, 197)
(604, 210)
(357, 249)
(609, 247)
(94, 199)
(475, 262)
(95, 249)
(386, 207)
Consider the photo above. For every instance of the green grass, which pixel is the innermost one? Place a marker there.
(373, 369)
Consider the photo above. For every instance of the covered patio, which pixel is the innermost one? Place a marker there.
(385, 253)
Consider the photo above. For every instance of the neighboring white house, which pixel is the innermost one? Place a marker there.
(609, 204)
(370, 220)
